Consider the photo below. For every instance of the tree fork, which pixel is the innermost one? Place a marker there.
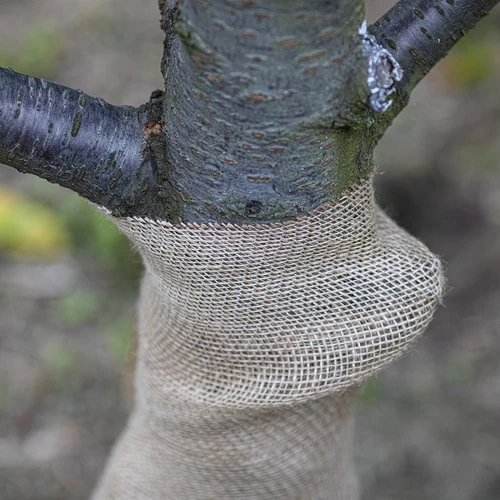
(268, 110)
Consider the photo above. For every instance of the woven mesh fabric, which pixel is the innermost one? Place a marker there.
(252, 341)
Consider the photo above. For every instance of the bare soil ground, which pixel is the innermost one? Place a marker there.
(427, 428)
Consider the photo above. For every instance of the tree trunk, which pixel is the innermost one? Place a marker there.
(274, 285)
(253, 341)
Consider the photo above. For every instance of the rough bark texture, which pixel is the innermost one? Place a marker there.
(261, 96)
(270, 109)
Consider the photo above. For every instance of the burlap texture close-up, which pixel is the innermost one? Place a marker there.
(252, 343)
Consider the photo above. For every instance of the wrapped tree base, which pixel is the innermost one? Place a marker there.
(252, 343)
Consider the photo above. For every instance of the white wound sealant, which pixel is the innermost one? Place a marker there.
(384, 72)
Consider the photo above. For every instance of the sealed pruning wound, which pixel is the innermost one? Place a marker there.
(384, 72)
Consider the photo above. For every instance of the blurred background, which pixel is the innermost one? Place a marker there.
(427, 428)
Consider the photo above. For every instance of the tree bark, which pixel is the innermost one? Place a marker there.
(418, 34)
(100, 151)
(260, 99)
(270, 109)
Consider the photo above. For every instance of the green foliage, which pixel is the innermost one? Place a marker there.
(29, 229)
(61, 364)
(39, 54)
(119, 338)
(474, 59)
(369, 393)
(53, 222)
(93, 234)
(78, 308)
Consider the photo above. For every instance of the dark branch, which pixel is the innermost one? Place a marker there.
(418, 33)
(80, 142)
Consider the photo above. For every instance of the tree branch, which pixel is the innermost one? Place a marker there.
(100, 151)
(418, 33)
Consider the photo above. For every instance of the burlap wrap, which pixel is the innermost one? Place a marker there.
(253, 340)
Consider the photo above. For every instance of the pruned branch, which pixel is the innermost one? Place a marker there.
(418, 33)
(100, 151)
